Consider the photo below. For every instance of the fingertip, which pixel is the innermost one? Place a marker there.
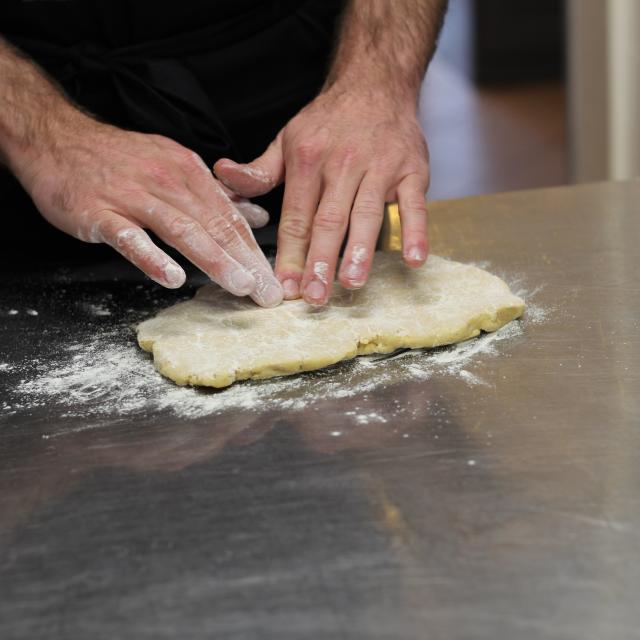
(291, 289)
(351, 285)
(221, 171)
(254, 214)
(315, 293)
(269, 295)
(415, 257)
(240, 282)
(353, 276)
(355, 266)
(222, 164)
(247, 180)
(174, 275)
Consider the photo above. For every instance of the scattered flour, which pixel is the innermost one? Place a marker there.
(97, 309)
(105, 374)
(109, 375)
(367, 418)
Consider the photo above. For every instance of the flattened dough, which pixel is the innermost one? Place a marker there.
(215, 338)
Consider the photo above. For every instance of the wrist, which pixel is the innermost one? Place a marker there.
(42, 136)
(373, 91)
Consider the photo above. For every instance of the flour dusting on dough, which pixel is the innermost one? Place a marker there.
(215, 340)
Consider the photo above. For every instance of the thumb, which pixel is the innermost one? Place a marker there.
(254, 178)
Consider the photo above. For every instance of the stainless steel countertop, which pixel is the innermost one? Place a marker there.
(264, 525)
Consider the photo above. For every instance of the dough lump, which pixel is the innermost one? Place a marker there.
(216, 338)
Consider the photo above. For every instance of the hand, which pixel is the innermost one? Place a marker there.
(344, 156)
(102, 184)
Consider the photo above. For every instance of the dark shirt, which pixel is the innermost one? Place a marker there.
(219, 76)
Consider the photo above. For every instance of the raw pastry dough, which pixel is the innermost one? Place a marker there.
(215, 338)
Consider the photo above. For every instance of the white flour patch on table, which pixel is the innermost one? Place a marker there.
(107, 375)
(96, 309)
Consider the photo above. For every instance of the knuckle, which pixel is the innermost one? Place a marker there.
(419, 170)
(387, 166)
(294, 227)
(344, 160)
(369, 207)
(183, 154)
(160, 140)
(190, 160)
(183, 228)
(164, 142)
(416, 204)
(161, 174)
(223, 231)
(308, 152)
(330, 218)
(100, 228)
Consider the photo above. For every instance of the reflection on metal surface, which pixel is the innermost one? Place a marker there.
(390, 238)
(390, 517)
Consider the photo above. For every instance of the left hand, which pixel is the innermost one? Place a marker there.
(343, 156)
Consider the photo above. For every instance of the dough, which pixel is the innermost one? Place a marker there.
(216, 338)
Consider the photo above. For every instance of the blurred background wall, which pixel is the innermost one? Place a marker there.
(533, 93)
(604, 88)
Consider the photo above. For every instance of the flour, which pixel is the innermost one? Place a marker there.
(96, 309)
(108, 375)
(105, 374)
(321, 270)
(366, 418)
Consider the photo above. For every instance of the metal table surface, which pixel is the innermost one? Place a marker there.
(504, 509)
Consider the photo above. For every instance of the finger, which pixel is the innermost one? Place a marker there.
(364, 228)
(191, 188)
(300, 202)
(254, 214)
(136, 246)
(231, 231)
(187, 236)
(197, 194)
(329, 227)
(254, 178)
(413, 218)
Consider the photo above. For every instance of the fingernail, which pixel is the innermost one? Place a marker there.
(291, 289)
(354, 273)
(174, 275)
(416, 254)
(256, 216)
(270, 295)
(256, 173)
(316, 291)
(242, 282)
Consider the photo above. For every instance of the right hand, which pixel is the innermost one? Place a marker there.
(99, 183)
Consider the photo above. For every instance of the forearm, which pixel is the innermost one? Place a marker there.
(386, 44)
(33, 110)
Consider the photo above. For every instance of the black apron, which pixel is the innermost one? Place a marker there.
(219, 76)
